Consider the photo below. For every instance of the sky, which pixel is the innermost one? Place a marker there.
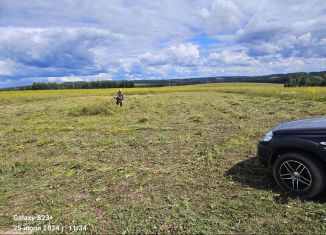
(87, 40)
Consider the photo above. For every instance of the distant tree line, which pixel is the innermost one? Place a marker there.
(306, 79)
(289, 80)
(175, 82)
(75, 85)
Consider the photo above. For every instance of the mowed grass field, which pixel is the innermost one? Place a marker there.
(171, 160)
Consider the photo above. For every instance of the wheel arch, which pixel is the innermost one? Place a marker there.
(281, 151)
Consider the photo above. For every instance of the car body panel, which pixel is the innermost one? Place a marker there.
(301, 135)
(304, 126)
(268, 150)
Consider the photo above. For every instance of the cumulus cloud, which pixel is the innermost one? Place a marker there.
(291, 29)
(62, 48)
(85, 39)
(221, 16)
(232, 57)
(183, 54)
(72, 78)
(6, 67)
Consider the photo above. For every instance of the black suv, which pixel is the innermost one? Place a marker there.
(297, 153)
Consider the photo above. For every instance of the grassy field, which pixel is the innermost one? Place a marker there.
(172, 160)
(260, 89)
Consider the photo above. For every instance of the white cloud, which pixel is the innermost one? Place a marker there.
(292, 29)
(232, 57)
(74, 39)
(98, 77)
(53, 49)
(6, 67)
(221, 16)
(182, 54)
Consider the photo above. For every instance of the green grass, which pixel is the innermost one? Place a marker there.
(168, 161)
(260, 89)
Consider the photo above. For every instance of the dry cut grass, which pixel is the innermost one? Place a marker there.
(171, 162)
(259, 89)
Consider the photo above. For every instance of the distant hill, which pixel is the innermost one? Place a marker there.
(289, 80)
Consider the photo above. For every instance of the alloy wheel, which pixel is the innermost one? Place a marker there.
(295, 175)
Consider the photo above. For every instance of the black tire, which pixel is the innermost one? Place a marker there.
(300, 174)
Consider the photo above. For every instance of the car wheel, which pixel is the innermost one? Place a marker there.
(301, 174)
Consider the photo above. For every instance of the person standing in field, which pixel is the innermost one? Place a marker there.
(119, 98)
